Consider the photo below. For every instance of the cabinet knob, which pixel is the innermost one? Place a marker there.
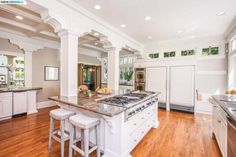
(135, 140)
(135, 123)
(219, 121)
(142, 118)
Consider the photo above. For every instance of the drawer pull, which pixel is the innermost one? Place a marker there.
(135, 140)
(135, 124)
(142, 118)
(219, 121)
(142, 132)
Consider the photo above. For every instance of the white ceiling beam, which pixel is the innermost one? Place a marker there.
(17, 24)
(27, 27)
(16, 11)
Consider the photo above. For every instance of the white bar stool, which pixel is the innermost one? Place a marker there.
(84, 123)
(60, 135)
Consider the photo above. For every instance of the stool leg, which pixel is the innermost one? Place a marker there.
(86, 142)
(98, 140)
(71, 139)
(82, 139)
(62, 127)
(51, 134)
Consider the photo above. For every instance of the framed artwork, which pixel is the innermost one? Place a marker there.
(51, 73)
(206, 51)
(191, 52)
(3, 79)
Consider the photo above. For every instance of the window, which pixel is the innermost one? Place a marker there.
(210, 51)
(233, 42)
(169, 54)
(153, 55)
(19, 72)
(126, 70)
(104, 63)
(187, 52)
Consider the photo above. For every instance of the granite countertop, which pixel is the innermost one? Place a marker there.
(227, 103)
(90, 104)
(18, 89)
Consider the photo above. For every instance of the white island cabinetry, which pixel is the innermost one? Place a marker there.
(219, 124)
(5, 105)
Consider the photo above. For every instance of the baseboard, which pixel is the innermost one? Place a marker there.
(45, 104)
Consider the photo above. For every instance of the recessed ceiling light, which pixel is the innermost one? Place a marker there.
(149, 37)
(147, 18)
(97, 7)
(220, 13)
(19, 17)
(96, 34)
(193, 36)
(95, 43)
(123, 26)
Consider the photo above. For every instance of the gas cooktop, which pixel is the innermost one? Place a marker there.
(126, 99)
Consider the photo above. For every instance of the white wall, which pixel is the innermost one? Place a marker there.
(41, 58)
(211, 71)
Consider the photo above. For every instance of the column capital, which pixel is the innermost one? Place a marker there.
(65, 32)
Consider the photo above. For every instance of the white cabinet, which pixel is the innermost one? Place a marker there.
(219, 129)
(156, 80)
(5, 105)
(182, 87)
(19, 103)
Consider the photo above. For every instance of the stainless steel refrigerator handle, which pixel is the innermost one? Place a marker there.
(228, 120)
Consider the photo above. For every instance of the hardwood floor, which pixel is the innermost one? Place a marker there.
(178, 135)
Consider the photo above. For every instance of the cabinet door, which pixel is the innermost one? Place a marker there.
(5, 105)
(19, 103)
(156, 80)
(224, 139)
(182, 85)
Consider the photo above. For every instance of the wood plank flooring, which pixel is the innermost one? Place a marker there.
(178, 135)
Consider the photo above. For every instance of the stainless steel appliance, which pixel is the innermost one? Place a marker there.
(140, 74)
(231, 137)
(135, 101)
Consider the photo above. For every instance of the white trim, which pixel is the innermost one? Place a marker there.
(45, 104)
(212, 72)
(12, 53)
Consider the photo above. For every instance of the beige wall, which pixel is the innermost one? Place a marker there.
(41, 58)
(5, 45)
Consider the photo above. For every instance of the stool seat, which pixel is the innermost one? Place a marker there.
(61, 114)
(83, 121)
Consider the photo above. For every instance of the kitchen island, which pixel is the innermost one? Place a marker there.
(125, 119)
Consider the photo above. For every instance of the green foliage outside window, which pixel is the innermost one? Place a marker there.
(210, 51)
(154, 55)
(169, 54)
(187, 52)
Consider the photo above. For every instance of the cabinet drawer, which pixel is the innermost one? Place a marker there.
(138, 120)
(5, 96)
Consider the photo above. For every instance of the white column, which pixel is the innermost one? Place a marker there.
(113, 69)
(69, 61)
(28, 68)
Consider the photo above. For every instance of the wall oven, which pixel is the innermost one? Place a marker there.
(231, 137)
(139, 75)
(140, 86)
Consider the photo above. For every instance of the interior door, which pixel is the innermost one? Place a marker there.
(182, 85)
(156, 80)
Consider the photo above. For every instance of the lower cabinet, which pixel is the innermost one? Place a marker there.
(219, 124)
(5, 105)
(19, 103)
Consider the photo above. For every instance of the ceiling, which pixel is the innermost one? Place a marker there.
(170, 19)
(30, 25)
